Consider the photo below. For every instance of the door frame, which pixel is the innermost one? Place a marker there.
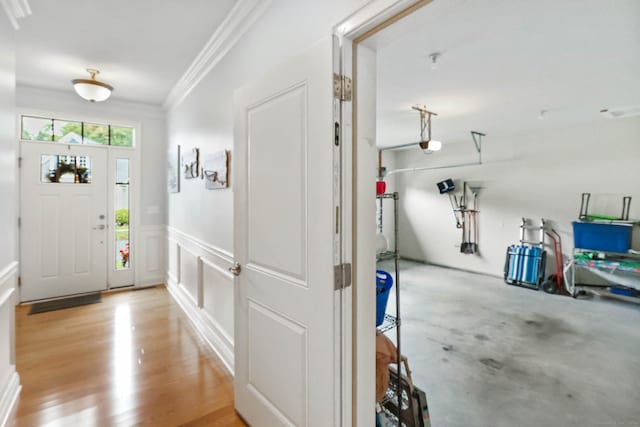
(134, 190)
(358, 335)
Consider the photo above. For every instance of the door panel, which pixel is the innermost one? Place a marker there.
(285, 351)
(63, 225)
(50, 242)
(81, 212)
(278, 168)
(277, 342)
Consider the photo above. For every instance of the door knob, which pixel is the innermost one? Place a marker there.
(100, 227)
(236, 269)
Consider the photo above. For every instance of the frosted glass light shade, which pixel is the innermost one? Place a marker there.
(434, 145)
(430, 146)
(92, 90)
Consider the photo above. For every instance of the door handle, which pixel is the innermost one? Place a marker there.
(235, 269)
(100, 227)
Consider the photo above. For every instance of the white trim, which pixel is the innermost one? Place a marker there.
(239, 20)
(16, 9)
(369, 16)
(8, 271)
(203, 323)
(219, 252)
(9, 396)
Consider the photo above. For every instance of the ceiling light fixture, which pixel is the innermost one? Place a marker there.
(91, 89)
(426, 143)
(434, 60)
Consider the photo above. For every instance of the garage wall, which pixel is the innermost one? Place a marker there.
(539, 173)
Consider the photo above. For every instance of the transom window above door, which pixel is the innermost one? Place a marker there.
(74, 132)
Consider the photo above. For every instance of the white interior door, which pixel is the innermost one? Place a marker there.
(63, 220)
(286, 371)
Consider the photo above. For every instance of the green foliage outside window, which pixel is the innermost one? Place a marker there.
(91, 133)
(121, 137)
(122, 216)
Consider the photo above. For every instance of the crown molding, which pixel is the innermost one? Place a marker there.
(16, 9)
(239, 20)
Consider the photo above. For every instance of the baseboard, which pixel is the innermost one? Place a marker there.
(9, 396)
(212, 335)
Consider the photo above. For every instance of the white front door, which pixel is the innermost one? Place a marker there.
(63, 220)
(286, 368)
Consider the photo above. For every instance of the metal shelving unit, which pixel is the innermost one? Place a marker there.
(393, 322)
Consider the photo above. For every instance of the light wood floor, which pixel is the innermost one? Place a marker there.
(133, 359)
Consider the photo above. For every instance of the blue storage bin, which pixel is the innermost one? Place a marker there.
(384, 281)
(599, 236)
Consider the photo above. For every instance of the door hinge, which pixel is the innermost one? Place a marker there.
(19, 281)
(342, 87)
(342, 276)
(19, 222)
(19, 162)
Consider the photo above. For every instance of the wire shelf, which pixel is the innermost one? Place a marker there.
(386, 255)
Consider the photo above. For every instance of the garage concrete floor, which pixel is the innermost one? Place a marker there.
(489, 354)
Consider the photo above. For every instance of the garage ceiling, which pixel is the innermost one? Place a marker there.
(141, 47)
(502, 62)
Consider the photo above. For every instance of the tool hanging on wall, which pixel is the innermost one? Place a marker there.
(466, 217)
(448, 187)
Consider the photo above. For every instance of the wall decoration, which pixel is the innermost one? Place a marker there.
(191, 163)
(215, 170)
(173, 170)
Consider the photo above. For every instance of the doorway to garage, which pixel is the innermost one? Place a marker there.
(537, 83)
(76, 200)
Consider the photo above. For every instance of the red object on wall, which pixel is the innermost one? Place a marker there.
(381, 187)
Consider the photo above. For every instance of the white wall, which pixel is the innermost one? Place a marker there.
(201, 221)
(536, 173)
(9, 380)
(152, 152)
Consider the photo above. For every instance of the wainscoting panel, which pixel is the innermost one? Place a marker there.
(150, 268)
(9, 379)
(198, 279)
(189, 279)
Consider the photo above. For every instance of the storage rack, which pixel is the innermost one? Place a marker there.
(393, 322)
(615, 265)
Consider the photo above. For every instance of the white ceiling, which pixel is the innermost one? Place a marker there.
(502, 62)
(141, 47)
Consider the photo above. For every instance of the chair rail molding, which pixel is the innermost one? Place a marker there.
(239, 20)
